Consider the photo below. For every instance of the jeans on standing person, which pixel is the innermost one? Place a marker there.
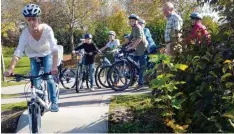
(142, 62)
(46, 62)
(91, 74)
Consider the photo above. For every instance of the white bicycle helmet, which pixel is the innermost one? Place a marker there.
(134, 16)
(112, 33)
(31, 10)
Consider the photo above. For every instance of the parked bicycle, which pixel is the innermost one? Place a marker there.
(66, 76)
(124, 73)
(82, 74)
(102, 74)
(39, 102)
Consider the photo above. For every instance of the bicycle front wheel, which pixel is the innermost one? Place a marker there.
(120, 76)
(79, 78)
(36, 118)
(96, 75)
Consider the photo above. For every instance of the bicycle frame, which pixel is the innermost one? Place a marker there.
(38, 99)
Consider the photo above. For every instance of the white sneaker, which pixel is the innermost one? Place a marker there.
(92, 89)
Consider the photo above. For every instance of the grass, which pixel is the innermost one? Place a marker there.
(22, 67)
(6, 96)
(145, 118)
(14, 106)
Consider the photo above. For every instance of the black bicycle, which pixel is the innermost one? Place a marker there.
(66, 76)
(124, 73)
(82, 74)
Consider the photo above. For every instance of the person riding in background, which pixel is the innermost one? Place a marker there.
(90, 50)
(199, 33)
(39, 44)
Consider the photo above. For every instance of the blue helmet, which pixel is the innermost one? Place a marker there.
(31, 10)
(88, 36)
(196, 15)
(134, 16)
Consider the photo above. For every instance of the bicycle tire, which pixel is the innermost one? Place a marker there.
(96, 75)
(63, 76)
(79, 78)
(111, 82)
(34, 113)
(102, 70)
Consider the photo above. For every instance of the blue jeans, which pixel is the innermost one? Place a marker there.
(47, 64)
(142, 61)
(91, 73)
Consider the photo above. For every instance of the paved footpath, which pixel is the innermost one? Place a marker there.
(84, 112)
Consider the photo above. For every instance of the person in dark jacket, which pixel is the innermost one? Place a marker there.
(90, 50)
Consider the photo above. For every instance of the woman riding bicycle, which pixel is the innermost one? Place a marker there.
(39, 44)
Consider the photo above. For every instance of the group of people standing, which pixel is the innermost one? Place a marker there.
(38, 43)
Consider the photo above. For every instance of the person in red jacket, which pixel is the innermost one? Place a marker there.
(199, 33)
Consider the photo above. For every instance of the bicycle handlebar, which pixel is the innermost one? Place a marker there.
(18, 77)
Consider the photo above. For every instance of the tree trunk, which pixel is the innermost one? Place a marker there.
(3, 68)
(71, 29)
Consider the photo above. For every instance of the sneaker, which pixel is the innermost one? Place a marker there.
(54, 107)
(138, 87)
(92, 89)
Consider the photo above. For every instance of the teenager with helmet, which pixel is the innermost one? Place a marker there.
(39, 44)
(113, 42)
(91, 50)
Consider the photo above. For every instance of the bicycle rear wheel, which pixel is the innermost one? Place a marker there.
(102, 76)
(67, 78)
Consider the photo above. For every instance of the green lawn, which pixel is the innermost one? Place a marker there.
(22, 67)
(6, 96)
(14, 106)
(143, 115)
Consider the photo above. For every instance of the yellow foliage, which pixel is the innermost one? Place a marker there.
(7, 26)
(118, 22)
(227, 61)
(177, 128)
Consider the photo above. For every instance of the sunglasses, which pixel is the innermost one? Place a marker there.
(31, 19)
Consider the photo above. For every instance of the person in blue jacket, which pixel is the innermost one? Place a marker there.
(152, 47)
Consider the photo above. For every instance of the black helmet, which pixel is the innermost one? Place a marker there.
(88, 36)
(134, 16)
